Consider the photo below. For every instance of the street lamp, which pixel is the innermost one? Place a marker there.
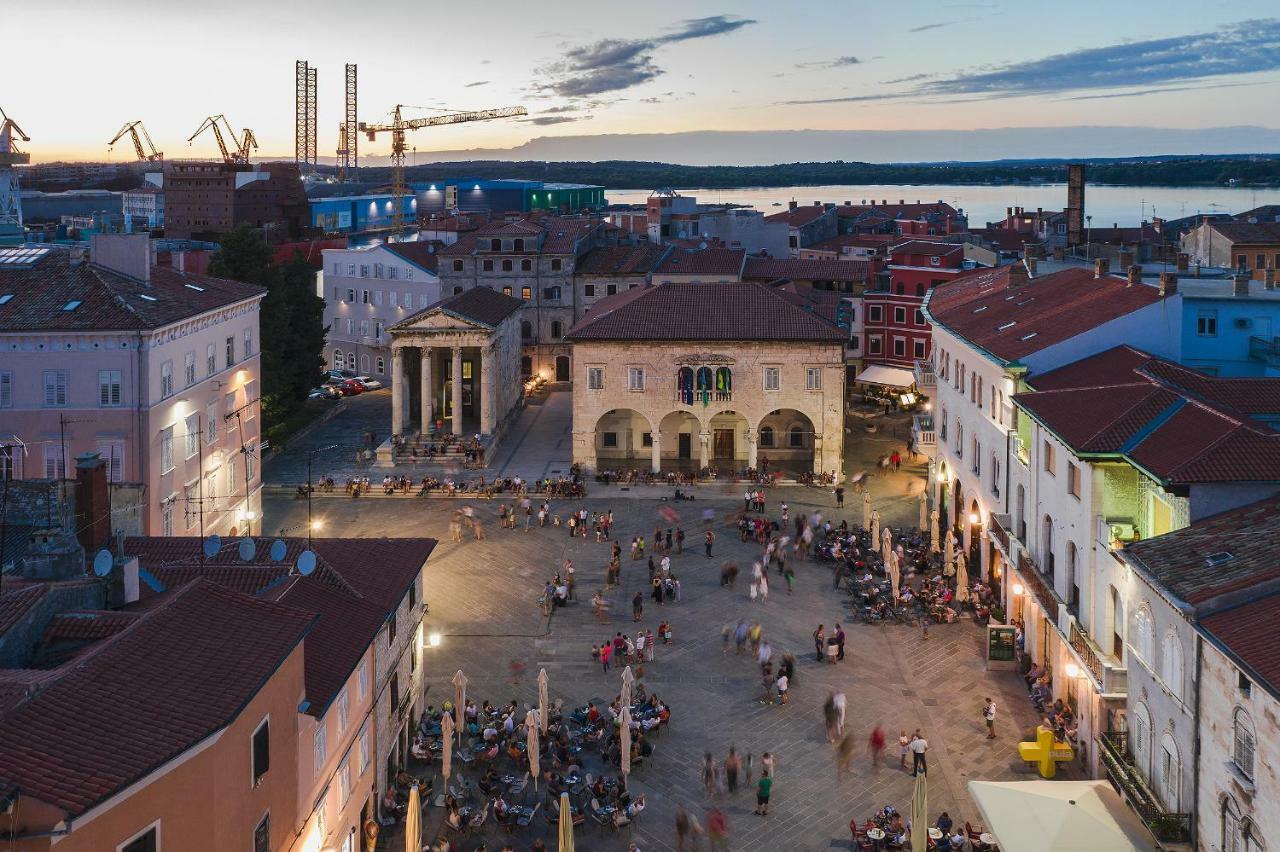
(433, 640)
(311, 487)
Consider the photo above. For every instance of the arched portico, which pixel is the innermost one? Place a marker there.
(624, 438)
(786, 440)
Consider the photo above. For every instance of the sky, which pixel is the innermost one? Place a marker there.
(606, 67)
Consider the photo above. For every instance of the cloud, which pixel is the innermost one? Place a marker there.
(937, 26)
(838, 62)
(1161, 91)
(1151, 65)
(614, 64)
(477, 83)
(555, 119)
(651, 100)
(909, 79)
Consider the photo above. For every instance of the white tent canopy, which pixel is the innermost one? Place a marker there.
(1059, 816)
(879, 374)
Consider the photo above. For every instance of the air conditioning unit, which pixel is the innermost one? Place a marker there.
(1121, 531)
(1244, 322)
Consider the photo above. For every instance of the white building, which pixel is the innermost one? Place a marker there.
(368, 290)
(145, 202)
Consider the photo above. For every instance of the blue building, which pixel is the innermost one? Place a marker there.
(347, 214)
(472, 195)
(1229, 326)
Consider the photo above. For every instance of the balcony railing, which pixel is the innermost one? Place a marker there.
(703, 397)
(1085, 648)
(1000, 532)
(1165, 827)
(922, 429)
(1266, 350)
(1036, 584)
(924, 375)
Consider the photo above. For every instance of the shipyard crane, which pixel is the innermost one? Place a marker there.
(10, 156)
(239, 153)
(397, 129)
(138, 132)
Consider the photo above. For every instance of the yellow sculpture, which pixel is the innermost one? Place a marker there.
(1046, 752)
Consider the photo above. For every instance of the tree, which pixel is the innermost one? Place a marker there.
(291, 326)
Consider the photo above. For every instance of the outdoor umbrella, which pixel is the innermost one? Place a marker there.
(875, 527)
(1059, 816)
(924, 510)
(949, 549)
(542, 700)
(962, 578)
(985, 559)
(624, 733)
(886, 544)
(459, 698)
(446, 741)
(566, 824)
(920, 814)
(892, 565)
(866, 511)
(531, 743)
(413, 822)
(933, 532)
(627, 680)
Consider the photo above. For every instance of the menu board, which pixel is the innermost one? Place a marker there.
(1001, 644)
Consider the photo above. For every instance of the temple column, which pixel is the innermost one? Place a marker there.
(657, 452)
(426, 390)
(486, 390)
(456, 420)
(398, 389)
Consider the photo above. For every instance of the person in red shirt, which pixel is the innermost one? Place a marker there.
(875, 745)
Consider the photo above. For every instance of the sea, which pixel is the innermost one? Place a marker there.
(1125, 206)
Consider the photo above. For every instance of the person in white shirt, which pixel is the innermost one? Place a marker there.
(918, 746)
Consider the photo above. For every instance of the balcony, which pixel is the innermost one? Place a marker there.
(1039, 587)
(925, 378)
(1165, 827)
(999, 531)
(1086, 650)
(703, 397)
(1266, 350)
(922, 430)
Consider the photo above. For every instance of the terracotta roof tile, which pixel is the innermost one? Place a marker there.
(183, 671)
(479, 304)
(1248, 632)
(726, 311)
(1247, 232)
(708, 261)
(800, 215)
(16, 603)
(621, 260)
(108, 301)
(423, 254)
(773, 269)
(933, 248)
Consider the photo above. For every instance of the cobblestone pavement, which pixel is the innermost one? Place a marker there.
(482, 599)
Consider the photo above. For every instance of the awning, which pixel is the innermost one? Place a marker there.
(894, 377)
(1059, 816)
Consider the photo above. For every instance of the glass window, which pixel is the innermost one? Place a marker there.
(875, 313)
(166, 450)
(635, 378)
(556, 264)
(248, 342)
(262, 835)
(918, 349)
(526, 293)
(526, 265)
(112, 454)
(556, 328)
(1049, 463)
(1143, 636)
(362, 679)
(1242, 749)
(53, 466)
(457, 266)
(488, 265)
(210, 360)
(899, 347)
(1073, 480)
(109, 386)
(506, 264)
(364, 748)
(189, 369)
(595, 378)
(344, 779)
(147, 841)
(772, 378)
(766, 436)
(589, 290)
(261, 751)
(900, 316)
(6, 389)
(231, 351)
(166, 379)
(610, 439)
(1207, 324)
(192, 427)
(795, 438)
(211, 418)
(318, 746)
(813, 378)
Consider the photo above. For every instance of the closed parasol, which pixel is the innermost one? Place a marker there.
(459, 699)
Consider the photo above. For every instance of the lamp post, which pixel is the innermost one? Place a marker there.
(311, 487)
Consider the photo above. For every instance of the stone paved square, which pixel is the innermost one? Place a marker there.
(483, 600)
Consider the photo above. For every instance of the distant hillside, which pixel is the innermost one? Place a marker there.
(1246, 170)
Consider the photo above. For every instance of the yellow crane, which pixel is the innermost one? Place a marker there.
(239, 153)
(138, 132)
(399, 126)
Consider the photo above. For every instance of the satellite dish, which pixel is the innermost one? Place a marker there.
(212, 545)
(278, 549)
(102, 563)
(248, 547)
(306, 563)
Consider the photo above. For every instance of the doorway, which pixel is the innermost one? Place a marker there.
(686, 446)
(562, 368)
(723, 443)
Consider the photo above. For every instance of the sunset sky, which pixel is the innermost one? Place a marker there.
(606, 68)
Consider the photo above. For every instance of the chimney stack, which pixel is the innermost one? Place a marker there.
(791, 205)
(1059, 254)
(817, 204)
(1240, 284)
(1018, 274)
(1168, 283)
(127, 254)
(1269, 279)
(1125, 258)
(1135, 274)
(1184, 261)
(92, 502)
(1101, 267)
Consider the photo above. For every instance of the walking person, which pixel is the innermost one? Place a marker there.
(679, 540)
(709, 775)
(606, 651)
(875, 745)
(708, 540)
(637, 606)
(989, 714)
(919, 745)
(718, 830)
(840, 702)
(839, 642)
(839, 496)
(732, 766)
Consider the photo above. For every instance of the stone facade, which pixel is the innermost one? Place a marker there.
(629, 409)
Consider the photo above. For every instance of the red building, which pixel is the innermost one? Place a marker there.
(895, 329)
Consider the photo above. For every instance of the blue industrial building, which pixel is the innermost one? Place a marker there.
(352, 214)
(472, 195)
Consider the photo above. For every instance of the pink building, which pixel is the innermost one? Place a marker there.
(154, 368)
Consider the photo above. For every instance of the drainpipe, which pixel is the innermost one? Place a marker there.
(142, 394)
(1008, 435)
(1195, 741)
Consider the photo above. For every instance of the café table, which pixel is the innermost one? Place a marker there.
(987, 839)
(876, 835)
(935, 833)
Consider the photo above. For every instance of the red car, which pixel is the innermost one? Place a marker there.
(351, 387)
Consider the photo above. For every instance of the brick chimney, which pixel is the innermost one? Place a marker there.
(1124, 259)
(92, 502)
(1101, 267)
(1184, 261)
(1135, 274)
(1240, 284)
(1168, 283)
(1018, 274)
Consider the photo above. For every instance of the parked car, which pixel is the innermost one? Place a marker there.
(339, 375)
(369, 382)
(350, 387)
(325, 392)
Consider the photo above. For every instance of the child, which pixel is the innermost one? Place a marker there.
(595, 653)
(903, 741)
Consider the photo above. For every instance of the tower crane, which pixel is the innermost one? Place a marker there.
(239, 153)
(399, 126)
(138, 132)
(10, 156)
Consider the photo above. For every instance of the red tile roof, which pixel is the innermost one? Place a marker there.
(621, 260)
(773, 269)
(1248, 633)
(185, 670)
(16, 603)
(478, 304)
(708, 261)
(900, 211)
(421, 253)
(1012, 322)
(799, 216)
(107, 300)
(693, 312)
(1160, 416)
(873, 241)
(933, 248)
(87, 625)
(1247, 233)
